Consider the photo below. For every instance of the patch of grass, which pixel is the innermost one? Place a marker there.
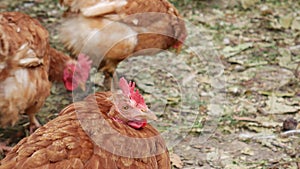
(228, 120)
(191, 4)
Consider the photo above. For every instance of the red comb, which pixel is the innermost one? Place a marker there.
(128, 89)
(84, 65)
(84, 61)
(124, 86)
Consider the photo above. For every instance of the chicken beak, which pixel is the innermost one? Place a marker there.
(82, 86)
(151, 115)
(148, 114)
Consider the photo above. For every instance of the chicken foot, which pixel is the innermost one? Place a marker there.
(34, 123)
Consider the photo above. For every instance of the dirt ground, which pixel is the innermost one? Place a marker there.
(222, 101)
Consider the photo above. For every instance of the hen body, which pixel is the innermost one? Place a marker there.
(110, 31)
(26, 63)
(85, 135)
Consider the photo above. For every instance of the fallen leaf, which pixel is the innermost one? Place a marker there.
(278, 93)
(176, 161)
(266, 78)
(247, 61)
(231, 51)
(286, 21)
(267, 122)
(286, 59)
(218, 158)
(296, 24)
(247, 151)
(248, 3)
(236, 166)
(247, 136)
(275, 106)
(245, 119)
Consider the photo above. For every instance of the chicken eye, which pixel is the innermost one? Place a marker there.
(125, 107)
(143, 110)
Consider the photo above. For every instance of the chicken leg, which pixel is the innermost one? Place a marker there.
(34, 123)
(108, 67)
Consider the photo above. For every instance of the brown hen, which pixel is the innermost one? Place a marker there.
(111, 30)
(104, 131)
(26, 63)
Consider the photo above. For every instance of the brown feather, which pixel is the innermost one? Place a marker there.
(72, 140)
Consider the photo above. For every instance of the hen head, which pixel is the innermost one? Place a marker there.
(77, 73)
(131, 106)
